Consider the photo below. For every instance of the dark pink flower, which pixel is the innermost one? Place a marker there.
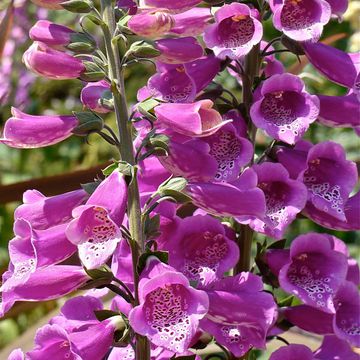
(235, 32)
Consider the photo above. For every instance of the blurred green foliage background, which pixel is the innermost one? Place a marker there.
(62, 97)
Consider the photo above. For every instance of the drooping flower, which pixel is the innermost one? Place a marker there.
(315, 271)
(218, 157)
(334, 348)
(200, 247)
(42, 284)
(179, 50)
(277, 258)
(191, 22)
(96, 225)
(235, 32)
(93, 92)
(195, 119)
(310, 319)
(31, 131)
(170, 309)
(151, 23)
(78, 313)
(42, 247)
(51, 63)
(339, 111)
(285, 198)
(346, 321)
(331, 348)
(337, 65)
(240, 198)
(292, 352)
(180, 83)
(284, 109)
(301, 20)
(330, 178)
(329, 203)
(51, 34)
(43, 212)
(240, 313)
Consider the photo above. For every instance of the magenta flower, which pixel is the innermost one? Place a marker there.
(310, 319)
(301, 20)
(338, 66)
(180, 83)
(43, 212)
(240, 313)
(339, 111)
(330, 178)
(192, 22)
(170, 309)
(128, 5)
(351, 213)
(51, 34)
(52, 340)
(173, 6)
(276, 258)
(151, 23)
(334, 348)
(315, 271)
(42, 284)
(202, 166)
(200, 247)
(331, 348)
(292, 352)
(235, 32)
(78, 313)
(92, 93)
(196, 119)
(96, 225)
(16, 354)
(179, 50)
(240, 198)
(230, 147)
(218, 157)
(52, 64)
(284, 109)
(346, 321)
(31, 131)
(285, 198)
(38, 247)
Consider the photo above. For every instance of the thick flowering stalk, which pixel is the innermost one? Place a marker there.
(179, 275)
(126, 151)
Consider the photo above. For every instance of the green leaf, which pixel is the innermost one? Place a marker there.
(151, 226)
(88, 122)
(288, 301)
(176, 196)
(77, 6)
(103, 272)
(142, 49)
(173, 183)
(102, 315)
(90, 187)
(146, 108)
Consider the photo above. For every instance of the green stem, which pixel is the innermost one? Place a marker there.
(137, 243)
(251, 70)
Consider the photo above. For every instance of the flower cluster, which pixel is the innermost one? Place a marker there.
(180, 275)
